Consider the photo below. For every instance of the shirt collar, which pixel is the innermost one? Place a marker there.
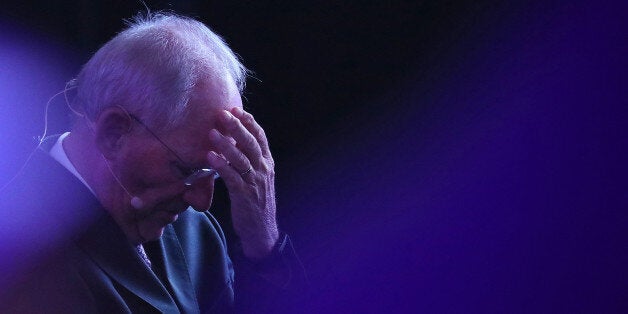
(58, 153)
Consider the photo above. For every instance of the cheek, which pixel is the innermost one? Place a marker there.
(146, 171)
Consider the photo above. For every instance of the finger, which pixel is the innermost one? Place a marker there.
(245, 141)
(248, 121)
(231, 153)
(230, 176)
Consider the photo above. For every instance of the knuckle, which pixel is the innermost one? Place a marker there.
(259, 133)
(233, 126)
(242, 158)
(250, 141)
(267, 167)
(224, 144)
(247, 117)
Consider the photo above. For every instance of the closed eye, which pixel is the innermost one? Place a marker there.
(183, 172)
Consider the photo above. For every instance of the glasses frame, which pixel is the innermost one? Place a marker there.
(194, 174)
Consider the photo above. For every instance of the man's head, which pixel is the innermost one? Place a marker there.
(152, 68)
(150, 96)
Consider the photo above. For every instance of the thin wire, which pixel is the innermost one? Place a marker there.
(192, 175)
(103, 156)
(157, 137)
(40, 139)
(115, 176)
(71, 82)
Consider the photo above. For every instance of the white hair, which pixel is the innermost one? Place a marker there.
(152, 67)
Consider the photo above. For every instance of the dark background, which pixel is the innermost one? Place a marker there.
(432, 156)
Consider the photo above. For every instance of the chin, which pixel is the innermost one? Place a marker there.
(152, 230)
(151, 234)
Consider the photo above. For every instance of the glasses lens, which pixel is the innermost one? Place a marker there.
(201, 173)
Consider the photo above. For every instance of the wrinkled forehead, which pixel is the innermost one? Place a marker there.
(210, 97)
(214, 92)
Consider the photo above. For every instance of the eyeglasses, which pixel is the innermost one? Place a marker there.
(191, 175)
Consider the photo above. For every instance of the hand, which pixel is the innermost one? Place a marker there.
(242, 158)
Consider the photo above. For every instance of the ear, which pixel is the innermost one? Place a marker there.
(110, 129)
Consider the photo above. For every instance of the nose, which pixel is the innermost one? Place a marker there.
(199, 195)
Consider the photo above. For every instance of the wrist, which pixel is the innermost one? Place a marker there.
(274, 256)
(258, 249)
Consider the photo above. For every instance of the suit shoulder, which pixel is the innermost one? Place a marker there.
(202, 226)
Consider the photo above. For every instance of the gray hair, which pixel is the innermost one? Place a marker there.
(152, 67)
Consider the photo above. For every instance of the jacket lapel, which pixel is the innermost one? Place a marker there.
(176, 271)
(97, 234)
(108, 247)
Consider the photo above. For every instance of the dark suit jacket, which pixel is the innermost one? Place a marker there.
(61, 252)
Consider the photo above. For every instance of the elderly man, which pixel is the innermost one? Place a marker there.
(113, 217)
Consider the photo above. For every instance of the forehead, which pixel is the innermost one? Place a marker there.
(216, 92)
(209, 98)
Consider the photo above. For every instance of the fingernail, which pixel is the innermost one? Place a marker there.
(212, 154)
(226, 115)
(238, 111)
(214, 159)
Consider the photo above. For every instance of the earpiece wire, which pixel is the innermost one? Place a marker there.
(41, 138)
